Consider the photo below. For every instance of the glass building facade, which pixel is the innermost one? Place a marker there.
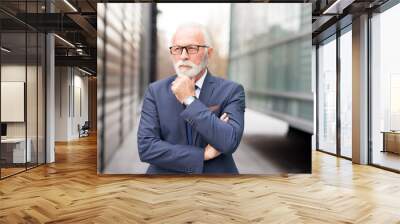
(125, 59)
(270, 55)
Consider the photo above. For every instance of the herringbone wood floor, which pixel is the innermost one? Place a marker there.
(70, 191)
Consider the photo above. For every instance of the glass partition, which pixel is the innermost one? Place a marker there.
(22, 89)
(13, 108)
(31, 98)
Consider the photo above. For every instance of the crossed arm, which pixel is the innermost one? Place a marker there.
(224, 136)
(221, 135)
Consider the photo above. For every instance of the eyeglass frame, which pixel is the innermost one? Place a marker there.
(185, 47)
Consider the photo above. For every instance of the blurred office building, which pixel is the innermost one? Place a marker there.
(270, 55)
(126, 65)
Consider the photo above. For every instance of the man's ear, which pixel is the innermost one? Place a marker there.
(210, 52)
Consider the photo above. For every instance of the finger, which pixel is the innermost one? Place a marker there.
(226, 119)
(223, 116)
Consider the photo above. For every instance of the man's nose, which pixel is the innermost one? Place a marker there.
(184, 55)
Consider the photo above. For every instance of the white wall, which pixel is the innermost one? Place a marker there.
(79, 117)
(70, 83)
(12, 73)
(62, 81)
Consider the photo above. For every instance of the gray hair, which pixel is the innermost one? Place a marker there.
(203, 29)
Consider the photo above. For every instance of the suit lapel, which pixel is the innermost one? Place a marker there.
(205, 96)
(207, 89)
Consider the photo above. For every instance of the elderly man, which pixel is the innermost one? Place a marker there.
(191, 122)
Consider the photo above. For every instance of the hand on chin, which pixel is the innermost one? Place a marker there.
(183, 87)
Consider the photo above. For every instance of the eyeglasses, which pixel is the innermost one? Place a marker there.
(190, 49)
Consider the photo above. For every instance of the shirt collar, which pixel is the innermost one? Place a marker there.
(199, 83)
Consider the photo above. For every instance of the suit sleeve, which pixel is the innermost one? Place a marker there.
(225, 137)
(154, 150)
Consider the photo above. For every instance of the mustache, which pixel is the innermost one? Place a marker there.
(185, 63)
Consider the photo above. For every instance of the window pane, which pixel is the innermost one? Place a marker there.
(345, 94)
(327, 96)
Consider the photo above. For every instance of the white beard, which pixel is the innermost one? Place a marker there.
(193, 71)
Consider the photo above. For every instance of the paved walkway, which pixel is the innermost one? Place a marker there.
(249, 158)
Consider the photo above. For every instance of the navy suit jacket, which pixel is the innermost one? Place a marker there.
(162, 139)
